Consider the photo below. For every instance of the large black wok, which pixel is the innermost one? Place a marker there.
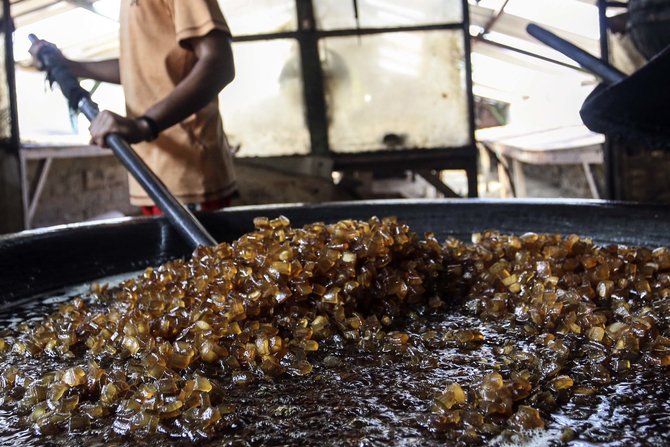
(48, 259)
(325, 408)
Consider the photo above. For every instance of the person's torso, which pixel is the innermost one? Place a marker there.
(189, 156)
(151, 61)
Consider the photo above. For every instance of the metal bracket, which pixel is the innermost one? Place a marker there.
(433, 178)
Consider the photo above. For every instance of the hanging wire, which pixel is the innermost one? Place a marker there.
(358, 20)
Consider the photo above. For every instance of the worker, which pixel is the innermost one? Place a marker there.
(175, 57)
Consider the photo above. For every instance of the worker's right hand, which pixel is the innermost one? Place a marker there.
(37, 46)
(132, 130)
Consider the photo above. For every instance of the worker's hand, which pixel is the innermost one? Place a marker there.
(36, 47)
(133, 131)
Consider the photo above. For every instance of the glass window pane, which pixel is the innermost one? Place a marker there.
(339, 14)
(396, 90)
(94, 33)
(50, 122)
(259, 16)
(263, 109)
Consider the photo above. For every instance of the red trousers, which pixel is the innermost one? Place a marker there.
(210, 205)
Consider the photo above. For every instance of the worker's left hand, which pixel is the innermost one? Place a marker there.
(40, 45)
(133, 131)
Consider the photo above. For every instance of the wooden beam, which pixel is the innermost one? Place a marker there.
(11, 204)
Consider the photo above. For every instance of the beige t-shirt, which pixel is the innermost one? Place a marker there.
(192, 158)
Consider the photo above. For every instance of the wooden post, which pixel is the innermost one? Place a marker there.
(11, 206)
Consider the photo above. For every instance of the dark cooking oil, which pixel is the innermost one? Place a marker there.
(355, 398)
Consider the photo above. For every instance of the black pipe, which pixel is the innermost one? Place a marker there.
(312, 76)
(471, 169)
(177, 214)
(608, 73)
(602, 28)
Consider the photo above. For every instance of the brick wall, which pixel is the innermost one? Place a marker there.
(567, 181)
(82, 189)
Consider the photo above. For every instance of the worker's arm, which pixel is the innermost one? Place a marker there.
(105, 71)
(213, 70)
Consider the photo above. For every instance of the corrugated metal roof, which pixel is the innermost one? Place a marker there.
(576, 20)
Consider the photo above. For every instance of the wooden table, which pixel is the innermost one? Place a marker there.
(565, 145)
